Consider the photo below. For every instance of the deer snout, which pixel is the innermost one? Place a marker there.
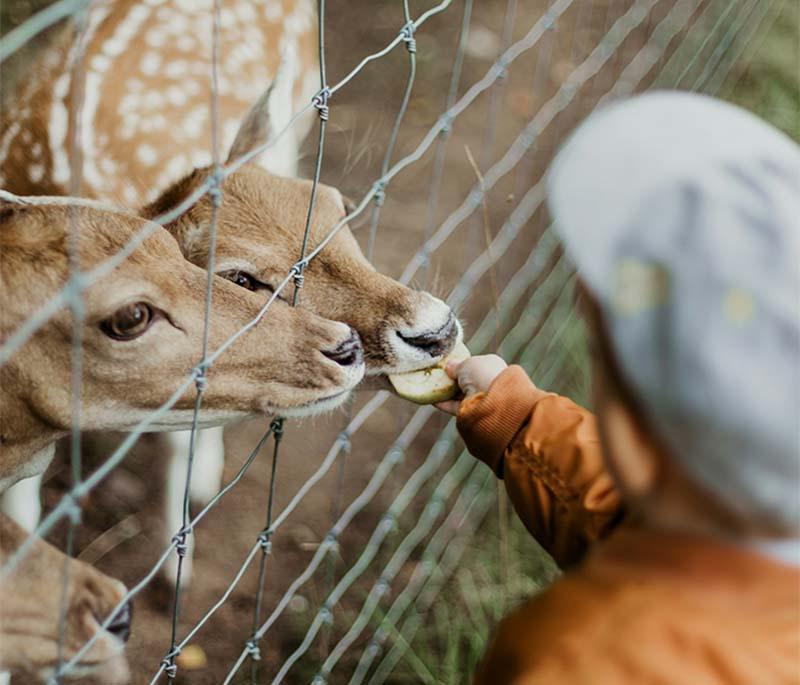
(433, 332)
(347, 353)
(435, 343)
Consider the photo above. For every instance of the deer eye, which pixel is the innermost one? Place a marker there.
(245, 280)
(128, 322)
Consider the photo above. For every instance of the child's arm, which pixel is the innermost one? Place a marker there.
(545, 448)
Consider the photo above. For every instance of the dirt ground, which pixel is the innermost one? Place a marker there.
(126, 509)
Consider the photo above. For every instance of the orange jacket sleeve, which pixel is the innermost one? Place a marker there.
(547, 450)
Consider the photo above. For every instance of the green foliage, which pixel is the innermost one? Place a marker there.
(768, 81)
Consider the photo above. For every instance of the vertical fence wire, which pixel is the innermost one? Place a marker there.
(201, 383)
(380, 194)
(77, 309)
(265, 545)
(440, 152)
(534, 335)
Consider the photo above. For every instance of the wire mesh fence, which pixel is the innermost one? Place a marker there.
(396, 534)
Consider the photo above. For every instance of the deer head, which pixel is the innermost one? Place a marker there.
(31, 603)
(142, 334)
(259, 236)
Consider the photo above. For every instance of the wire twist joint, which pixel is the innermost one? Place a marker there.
(253, 649)
(407, 33)
(320, 101)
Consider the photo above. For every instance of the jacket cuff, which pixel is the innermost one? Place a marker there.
(489, 421)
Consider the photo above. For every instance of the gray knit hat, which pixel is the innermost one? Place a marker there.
(682, 214)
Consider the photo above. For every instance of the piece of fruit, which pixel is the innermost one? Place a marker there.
(192, 658)
(431, 385)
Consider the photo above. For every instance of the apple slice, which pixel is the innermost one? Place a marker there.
(431, 385)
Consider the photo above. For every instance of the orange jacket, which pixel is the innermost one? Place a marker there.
(641, 607)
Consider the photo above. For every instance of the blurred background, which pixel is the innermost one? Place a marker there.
(452, 559)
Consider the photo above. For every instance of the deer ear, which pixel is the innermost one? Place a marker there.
(271, 112)
(349, 204)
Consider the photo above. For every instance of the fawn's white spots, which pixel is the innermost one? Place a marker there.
(157, 122)
(108, 165)
(200, 158)
(194, 123)
(192, 6)
(155, 38)
(151, 62)
(176, 96)
(186, 43)
(130, 195)
(57, 128)
(273, 11)
(91, 101)
(166, 48)
(8, 138)
(36, 172)
(246, 13)
(176, 69)
(100, 63)
(152, 99)
(147, 154)
(126, 31)
(176, 167)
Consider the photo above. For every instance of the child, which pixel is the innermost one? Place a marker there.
(677, 508)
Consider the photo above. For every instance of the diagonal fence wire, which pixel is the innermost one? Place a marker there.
(495, 72)
(474, 495)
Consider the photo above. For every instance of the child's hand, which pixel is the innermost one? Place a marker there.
(473, 375)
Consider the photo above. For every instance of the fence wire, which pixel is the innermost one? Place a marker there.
(692, 44)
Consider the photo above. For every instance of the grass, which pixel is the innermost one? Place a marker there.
(450, 641)
(767, 81)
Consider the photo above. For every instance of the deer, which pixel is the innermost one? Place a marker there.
(141, 335)
(31, 604)
(261, 221)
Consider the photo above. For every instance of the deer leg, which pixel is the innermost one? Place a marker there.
(178, 461)
(23, 504)
(209, 463)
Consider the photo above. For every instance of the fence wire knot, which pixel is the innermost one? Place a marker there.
(168, 662)
(502, 71)
(215, 187)
(380, 193)
(408, 36)
(344, 441)
(253, 649)
(297, 272)
(179, 540)
(446, 124)
(265, 540)
(320, 101)
(326, 613)
(199, 376)
(72, 507)
(276, 426)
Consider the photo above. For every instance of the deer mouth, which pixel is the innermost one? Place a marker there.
(318, 406)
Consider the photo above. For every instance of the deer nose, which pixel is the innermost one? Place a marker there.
(348, 353)
(120, 626)
(435, 343)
